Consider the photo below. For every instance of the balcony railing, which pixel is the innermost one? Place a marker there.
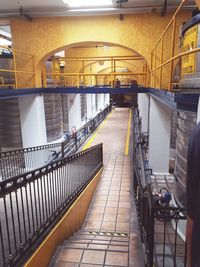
(31, 204)
(17, 162)
(159, 220)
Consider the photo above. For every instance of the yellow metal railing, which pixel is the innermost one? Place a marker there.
(76, 79)
(162, 68)
(16, 69)
(86, 77)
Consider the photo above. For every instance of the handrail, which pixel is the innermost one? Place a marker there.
(195, 50)
(15, 72)
(32, 203)
(153, 213)
(15, 162)
(171, 21)
(157, 64)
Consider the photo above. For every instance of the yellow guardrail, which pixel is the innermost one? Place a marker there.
(16, 66)
(162, 70)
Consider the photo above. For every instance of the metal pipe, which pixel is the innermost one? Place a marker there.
(195, 50)
(98, 74)
(172, 51)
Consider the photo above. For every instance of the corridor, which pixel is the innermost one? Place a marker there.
(110, 235)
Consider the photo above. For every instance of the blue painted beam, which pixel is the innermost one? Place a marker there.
(8, 93)
(173, 100)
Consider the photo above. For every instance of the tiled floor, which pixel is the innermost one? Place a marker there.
(110, 235)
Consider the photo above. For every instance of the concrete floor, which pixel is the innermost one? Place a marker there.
(110, 234)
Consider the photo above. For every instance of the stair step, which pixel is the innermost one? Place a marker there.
(99, 247)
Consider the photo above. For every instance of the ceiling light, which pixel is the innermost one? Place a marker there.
(90, 10)
(88, 3)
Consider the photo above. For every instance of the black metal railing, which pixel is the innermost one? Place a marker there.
(32, 203)
(159, 220)
(17, 162)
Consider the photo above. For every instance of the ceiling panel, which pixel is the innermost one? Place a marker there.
(31, 7)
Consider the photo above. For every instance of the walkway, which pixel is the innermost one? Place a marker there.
(110, 235)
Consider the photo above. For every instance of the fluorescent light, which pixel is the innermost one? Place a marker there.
(88, 3)
(90, 10)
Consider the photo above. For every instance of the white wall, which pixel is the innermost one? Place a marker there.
(159, 136)
(143, 106)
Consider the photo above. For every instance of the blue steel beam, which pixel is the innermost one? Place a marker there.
(173, 100)
(8, 93)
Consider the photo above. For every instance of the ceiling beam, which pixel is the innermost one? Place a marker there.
(107, 11)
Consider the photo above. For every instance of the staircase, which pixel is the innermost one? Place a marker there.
(93, 247)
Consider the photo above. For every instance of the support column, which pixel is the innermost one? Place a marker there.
(74, 106)
(89, 107)
(107, 99)
(33, 128)
(143, 106)
(198, 111)
(159, 136)
(100, 102)
(32, 117)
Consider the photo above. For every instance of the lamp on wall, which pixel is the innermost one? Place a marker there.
(62, 64)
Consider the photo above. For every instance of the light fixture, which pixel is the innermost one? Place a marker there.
(88, 3)
(91, 9)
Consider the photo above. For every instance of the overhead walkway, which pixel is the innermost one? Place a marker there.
(110, 234)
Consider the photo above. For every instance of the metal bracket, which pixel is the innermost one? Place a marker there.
(21, 11)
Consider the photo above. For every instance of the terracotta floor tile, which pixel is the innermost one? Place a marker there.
(124, 198)
(124, 193)
(119, 248)
(109, 217)
(111, 210)
(113, 198)
(94, 257)
(122, 210)
(123, 218)
(91, 265)
(117, 259)
(67, 264)
(122, 227)
(115, 187)
(99, 203)
(125, 188)
(95, 217)
(97, 209)
(108, 226)
(113, 204)
(115, 183)
(98, 246)
(100, 198)
(124, 204)
(94, 225)
(114, 192)
(70, 255)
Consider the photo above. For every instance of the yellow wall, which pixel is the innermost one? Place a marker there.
(42, 36)
(198, 3)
